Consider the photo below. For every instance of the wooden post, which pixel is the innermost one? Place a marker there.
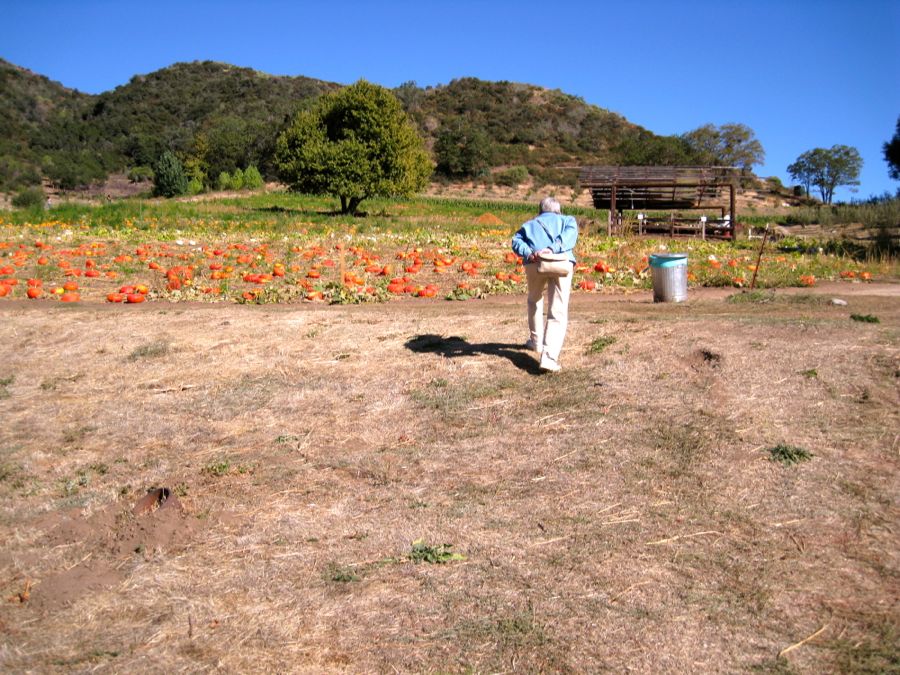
(731, 206)
(612, 207)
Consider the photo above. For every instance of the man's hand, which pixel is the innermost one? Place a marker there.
(534, 256)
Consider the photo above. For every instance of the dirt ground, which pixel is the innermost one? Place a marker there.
(625, 514)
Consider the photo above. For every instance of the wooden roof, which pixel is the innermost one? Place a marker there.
(658, 187)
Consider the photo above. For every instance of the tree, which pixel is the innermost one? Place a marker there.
(827, 168)
(727, 145)
(169, 179)
(354, 143)
(462, 150)
(892, 153)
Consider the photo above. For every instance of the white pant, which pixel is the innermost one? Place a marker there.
(551, 334)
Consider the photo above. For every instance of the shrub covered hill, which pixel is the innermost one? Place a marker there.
(218, 117)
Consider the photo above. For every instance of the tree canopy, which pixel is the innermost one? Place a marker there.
(892, 153)
(727, 145)
(462, 150)
(827, 168)
(354, 143)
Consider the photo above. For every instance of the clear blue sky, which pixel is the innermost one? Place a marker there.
(800, 73)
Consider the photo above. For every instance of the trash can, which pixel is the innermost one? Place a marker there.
(669, 272)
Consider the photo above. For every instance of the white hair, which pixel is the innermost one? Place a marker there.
(549, 205)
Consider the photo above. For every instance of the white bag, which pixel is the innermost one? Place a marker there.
(554, 264)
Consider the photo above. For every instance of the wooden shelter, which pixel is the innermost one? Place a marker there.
(665, 188)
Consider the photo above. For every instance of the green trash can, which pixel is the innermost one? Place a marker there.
(669, 273)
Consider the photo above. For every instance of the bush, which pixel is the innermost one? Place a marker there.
(512, 177)
(195, 186)
(29, 198)
(224, 181)
(253, 180)
(237, 180)
(140, 174)
(169, 178)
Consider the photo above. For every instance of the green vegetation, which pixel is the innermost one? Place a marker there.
(789, 454)
(437, 555)
(865, 318)
(169, 179)
(599, 344)
(728, 145)
(462, 150)
(891, 151)
(29, 198)
(827, 168)
(354, 144)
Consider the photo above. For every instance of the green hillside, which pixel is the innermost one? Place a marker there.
(544, 130)
(29, 103)
(219, 117)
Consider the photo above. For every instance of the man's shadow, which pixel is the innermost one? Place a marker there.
(454, 346)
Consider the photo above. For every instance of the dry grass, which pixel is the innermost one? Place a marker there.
(624, 514)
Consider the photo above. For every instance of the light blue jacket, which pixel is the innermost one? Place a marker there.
(560, 235)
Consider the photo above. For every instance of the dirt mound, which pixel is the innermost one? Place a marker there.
(109, 536)
(488, 219)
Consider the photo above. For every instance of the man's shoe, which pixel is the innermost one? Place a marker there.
(533, 346)
(549, 364)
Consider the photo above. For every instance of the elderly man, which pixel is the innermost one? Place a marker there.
(550, 232)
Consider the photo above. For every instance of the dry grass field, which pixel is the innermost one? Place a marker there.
(396, 488)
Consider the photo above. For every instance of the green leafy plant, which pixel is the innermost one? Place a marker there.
(437, 555)
(789, 454)
(217, 469)
(599, 344)
(865, 318)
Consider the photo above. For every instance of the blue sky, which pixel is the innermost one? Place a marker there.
(800, 73)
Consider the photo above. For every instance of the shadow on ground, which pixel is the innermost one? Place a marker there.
(454, 347)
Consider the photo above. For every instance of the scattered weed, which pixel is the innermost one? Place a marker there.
(217, 469)
(812, 373)
(339, 574)
(438, 555)
(788, 454)
(150, 350)
(865, 318)
(599, 344)
(4, 383)
(751, 297)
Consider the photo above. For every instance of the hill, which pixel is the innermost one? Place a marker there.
(549, 132)
(29, 104)
(220, 117)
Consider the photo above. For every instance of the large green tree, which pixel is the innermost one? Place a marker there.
(827, 168)
(354, 143)
(727, 145)
(892, 153)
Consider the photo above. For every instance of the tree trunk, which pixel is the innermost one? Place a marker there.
(344, 208)
(354, 204)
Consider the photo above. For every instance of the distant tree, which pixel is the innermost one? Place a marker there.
(253, 180)
(646, 149)
(223, 182)
(827, 168)
(410, 95)
(462, 150)
(354, 144)
(892, 153)
(169, 179)
(727, 145)
(802, 170)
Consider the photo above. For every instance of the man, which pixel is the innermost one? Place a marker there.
(550, 232)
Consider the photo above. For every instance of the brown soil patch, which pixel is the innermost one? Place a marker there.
(624, 514)
(488, 219)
